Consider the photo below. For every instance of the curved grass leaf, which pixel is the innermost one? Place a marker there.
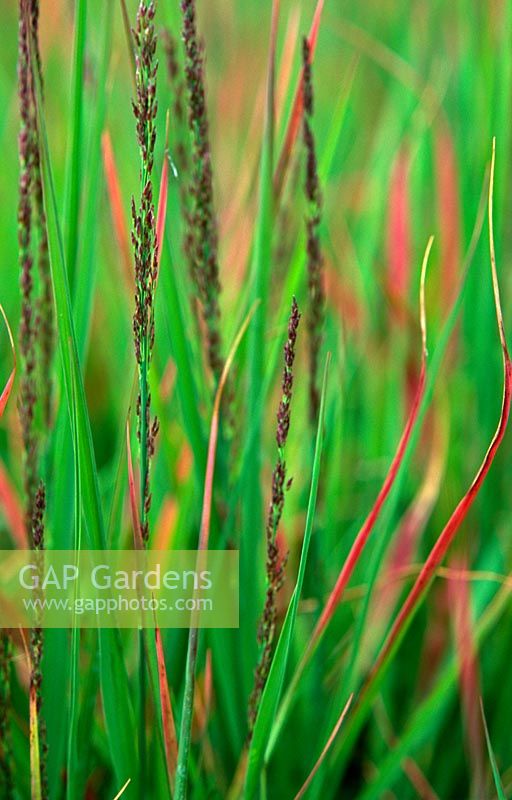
(436, 555)
(365, 531)
(74, 171)
(204, 533)
(325, 750)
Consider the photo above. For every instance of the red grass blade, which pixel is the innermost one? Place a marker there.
(416, 516)
(411, 526)
(162, 198)
(296, 115)
(447, 535)
(169, 726)
(368, 525)
(204, 533)
(116, 208)
(289, 48)
(324, 752)
(6, 393)
(13, 510)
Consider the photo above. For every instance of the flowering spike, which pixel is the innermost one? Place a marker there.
(144, 240)
(275, 565)
(202, 233)
(314, 255)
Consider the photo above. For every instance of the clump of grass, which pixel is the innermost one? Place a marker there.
(202, 231)
(314, 255)
(274, 564)
(145, 243)
(119, 753)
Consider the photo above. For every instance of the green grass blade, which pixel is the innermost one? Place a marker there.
(68, 347)
(86, 268)
(494, 766)
(273, 688)
(74, 166)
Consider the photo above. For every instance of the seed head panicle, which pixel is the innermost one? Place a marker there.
(143, 218)
(144, 239)
(283, 413)
(316, 308)
(202, 222)
(36, 326)
(275, 565)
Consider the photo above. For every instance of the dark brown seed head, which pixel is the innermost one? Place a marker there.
(201, 240)
(283, 414)
(315, 313)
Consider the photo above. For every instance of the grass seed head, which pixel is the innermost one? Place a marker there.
(314, 255)
(275, 565)
(202, 221)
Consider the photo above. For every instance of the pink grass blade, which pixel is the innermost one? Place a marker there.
(285, 70)
(449, 532)
(6, 392)
(13, 510)
(414, 520)
(168, 723)
(296, 114)
(325, 750)
(116, 209)
(399, 232)
(447, 181)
